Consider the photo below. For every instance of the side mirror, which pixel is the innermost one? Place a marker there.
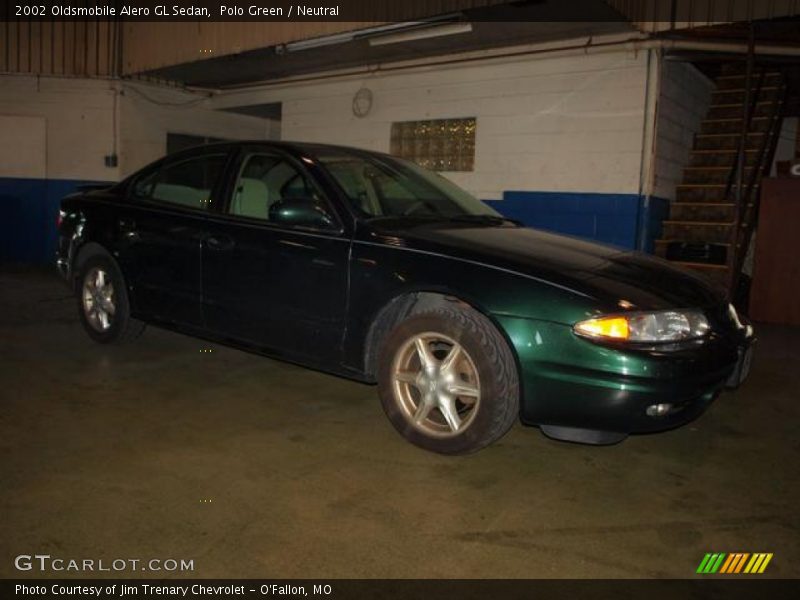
(303, 212)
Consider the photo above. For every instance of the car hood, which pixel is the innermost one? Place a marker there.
(611, 275)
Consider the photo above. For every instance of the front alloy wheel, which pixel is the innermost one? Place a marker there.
(436, 384)
(447, 380)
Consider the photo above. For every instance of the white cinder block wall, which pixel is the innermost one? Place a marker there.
(56, 132)
(683, 101)
(559, 123)
(79, 123)
(148, 113)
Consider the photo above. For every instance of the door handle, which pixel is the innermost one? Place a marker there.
(221, 242)
(128, 229)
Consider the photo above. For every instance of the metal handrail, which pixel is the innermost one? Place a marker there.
(739, 161)
(738, 168)
(760, 168)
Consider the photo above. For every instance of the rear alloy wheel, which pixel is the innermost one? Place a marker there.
(448, 381)
(98, 299)
(103, 302)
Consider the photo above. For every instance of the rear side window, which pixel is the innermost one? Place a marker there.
(189, 182)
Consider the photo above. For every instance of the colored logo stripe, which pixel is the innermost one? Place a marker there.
(720, 562)
(734, 563)
(758, 563)
(711, 563)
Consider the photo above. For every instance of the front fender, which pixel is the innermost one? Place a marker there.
(380, 273)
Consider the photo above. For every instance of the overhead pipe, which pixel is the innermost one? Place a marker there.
(723, 47)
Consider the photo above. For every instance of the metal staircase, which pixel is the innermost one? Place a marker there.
(712, 217)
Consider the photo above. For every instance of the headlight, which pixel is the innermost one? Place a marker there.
(661, 326)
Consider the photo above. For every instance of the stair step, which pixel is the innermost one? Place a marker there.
(721, 151)
(741, 89)
(729, 96)
(742, 75)
(710, 175)
(733, 68)
(737, 119)
(702, 211)
(708, 185)
(720, 158)
(727, 134)
(739, 69)
(741, 104)
(708, 193)
(700, 265)
(727, 141)
(697, 231)
(695, 252)
(725, 245)
(734, 125)
(736, 67)
(699, 223)
(736, 109)
(738, 81)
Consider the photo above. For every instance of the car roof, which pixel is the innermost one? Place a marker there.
(310, 148)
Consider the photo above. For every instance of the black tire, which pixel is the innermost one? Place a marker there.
(498, 408)
(122, 328)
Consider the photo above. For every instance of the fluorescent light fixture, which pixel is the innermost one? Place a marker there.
(328, 40)
(421, 33)
(393, 33)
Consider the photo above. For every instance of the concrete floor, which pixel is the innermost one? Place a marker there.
(110, 452)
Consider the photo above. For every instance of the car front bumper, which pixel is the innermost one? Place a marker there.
(571, 382)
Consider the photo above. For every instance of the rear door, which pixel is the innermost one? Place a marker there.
(162, 228)
(271, 278)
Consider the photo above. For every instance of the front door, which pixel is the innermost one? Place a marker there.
(275, 262)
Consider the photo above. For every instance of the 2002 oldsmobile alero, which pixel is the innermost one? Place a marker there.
(372, 268)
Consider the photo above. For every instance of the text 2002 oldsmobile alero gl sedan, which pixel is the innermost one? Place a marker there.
(373, 268)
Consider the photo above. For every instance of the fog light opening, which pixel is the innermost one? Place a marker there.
(659, 410)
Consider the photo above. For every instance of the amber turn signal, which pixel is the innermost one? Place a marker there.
(609, 327)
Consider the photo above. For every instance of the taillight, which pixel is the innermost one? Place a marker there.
(60, 219)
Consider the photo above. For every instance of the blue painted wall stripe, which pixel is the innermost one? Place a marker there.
(28, 209)
(624, 220)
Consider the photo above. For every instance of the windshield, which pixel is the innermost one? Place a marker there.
(379, 186)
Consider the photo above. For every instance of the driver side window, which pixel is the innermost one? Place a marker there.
(270, 188)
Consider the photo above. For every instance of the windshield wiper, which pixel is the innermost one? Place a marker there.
(489, 219)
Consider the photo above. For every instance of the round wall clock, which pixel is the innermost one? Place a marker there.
(362, 102)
